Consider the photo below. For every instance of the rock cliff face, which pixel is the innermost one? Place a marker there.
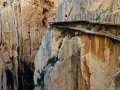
(106, 11)
(22, 25)
(85, 62)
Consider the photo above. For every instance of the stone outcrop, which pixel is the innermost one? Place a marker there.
(104, 11)
(115, 82)
(22, 25)
(86, 62)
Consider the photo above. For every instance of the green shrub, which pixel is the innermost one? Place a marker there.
(60, 45)
(40, 80)
(40, 43)
(65, 30)
(52, 60)
(89, 27)
(98, 17)
(50, 28)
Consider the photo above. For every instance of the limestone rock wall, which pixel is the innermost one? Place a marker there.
(22, 25)
(105, 11)
(85, 63)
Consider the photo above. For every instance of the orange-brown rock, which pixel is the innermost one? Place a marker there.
(22, 25)
(85, 63)
(97, 63)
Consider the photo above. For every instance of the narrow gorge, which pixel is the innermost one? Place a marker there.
(59, 45)
(22, 25)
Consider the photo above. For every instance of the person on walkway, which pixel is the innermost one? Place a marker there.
(54, 18)
(66, 17)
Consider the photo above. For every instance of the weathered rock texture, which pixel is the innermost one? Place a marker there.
(85, 63)
(107, 10)
(22, 25)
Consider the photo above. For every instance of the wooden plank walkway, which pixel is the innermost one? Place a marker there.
(80, 21)
(91, 32)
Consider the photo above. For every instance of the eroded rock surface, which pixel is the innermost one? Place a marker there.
(105, 11)
(22, 25)
(86, 62)
(115, 82)
(93, 68)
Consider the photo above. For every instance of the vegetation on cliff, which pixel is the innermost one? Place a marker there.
(40, 79)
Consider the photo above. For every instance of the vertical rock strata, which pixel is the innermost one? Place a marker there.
(104, 11)
(22, 25)
(86, 62)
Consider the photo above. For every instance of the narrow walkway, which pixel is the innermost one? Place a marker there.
(85, 31)
(80, 21)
